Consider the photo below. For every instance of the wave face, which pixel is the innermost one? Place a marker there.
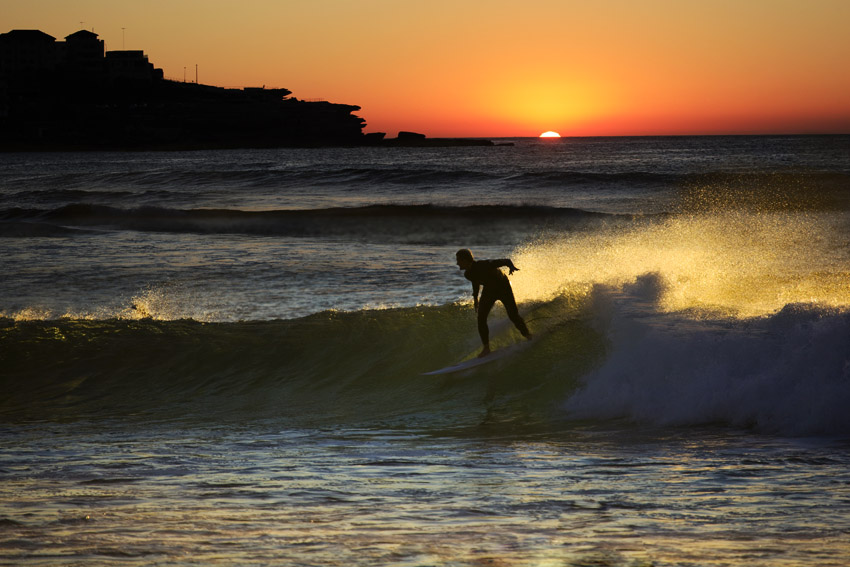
(325, 370)
(593, 360)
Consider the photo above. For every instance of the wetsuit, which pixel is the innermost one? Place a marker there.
(486, 273)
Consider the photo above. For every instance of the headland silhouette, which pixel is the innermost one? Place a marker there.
(75, 95)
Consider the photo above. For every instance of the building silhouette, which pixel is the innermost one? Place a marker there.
(27, 51)
(73, 94)
(83, 54)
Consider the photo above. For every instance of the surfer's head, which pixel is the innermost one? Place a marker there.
(464, 258)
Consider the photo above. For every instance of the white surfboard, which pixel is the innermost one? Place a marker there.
(472, 363)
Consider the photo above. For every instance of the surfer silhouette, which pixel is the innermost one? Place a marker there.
(486, 274)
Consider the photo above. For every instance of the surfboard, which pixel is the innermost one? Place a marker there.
(472, 363)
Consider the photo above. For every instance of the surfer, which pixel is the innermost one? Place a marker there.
(486, 274)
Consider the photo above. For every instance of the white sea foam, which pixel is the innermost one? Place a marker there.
(788, 373)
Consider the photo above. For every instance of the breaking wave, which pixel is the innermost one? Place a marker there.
(788, 373)
(593, 360)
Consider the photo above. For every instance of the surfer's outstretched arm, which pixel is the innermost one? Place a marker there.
(507, 263)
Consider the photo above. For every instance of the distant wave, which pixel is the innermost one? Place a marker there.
(433, 177)
(407, 223)
(81, 195)
(269, 176)
(36, 229)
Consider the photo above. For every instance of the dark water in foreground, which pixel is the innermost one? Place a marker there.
(215, 358)
(255, 495)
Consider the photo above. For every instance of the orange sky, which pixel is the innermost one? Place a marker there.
(498, 68)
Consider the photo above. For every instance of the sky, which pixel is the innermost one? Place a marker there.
(493, 68)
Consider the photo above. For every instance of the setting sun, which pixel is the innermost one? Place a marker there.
(550, 134)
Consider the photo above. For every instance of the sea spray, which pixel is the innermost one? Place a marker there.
(735, 263)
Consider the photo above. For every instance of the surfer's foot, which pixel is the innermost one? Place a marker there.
(484, 352)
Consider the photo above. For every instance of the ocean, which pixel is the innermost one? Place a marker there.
(217, 357)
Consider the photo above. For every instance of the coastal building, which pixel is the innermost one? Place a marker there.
(31, 56)
(27, 52)
(82, 54)
(130, 66)
(28, 62)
